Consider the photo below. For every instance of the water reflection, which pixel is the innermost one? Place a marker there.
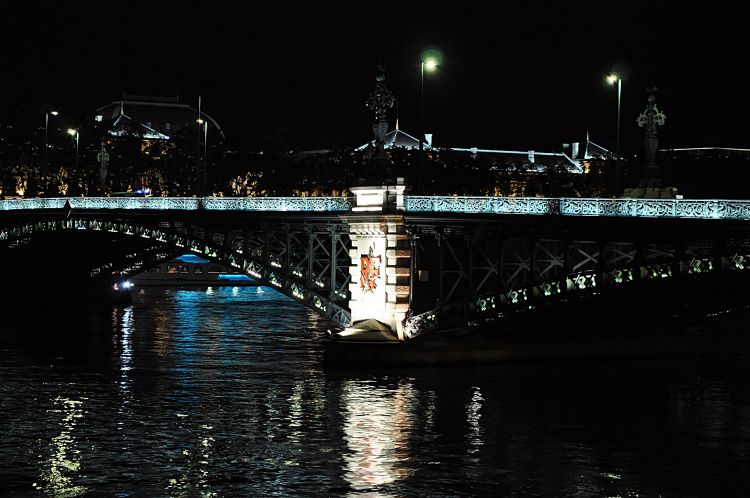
(198, 455)
(223, 394)
(125, 328)
(377, 425)
(62, 467)
(473, 417)
(297, 415)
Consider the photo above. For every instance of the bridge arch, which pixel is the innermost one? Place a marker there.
(257, 262)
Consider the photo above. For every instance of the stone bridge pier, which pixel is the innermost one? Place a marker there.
(381, 257)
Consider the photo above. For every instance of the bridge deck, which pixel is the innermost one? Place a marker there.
(565, 206)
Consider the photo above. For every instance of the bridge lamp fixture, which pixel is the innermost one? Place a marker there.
(199, 121)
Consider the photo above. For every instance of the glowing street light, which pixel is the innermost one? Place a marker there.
(75, 133)
(612, 79)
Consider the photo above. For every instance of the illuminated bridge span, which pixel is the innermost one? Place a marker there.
(414, 263)
(299, 204)
(651, 208)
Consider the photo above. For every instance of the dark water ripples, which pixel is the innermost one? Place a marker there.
(222, 392)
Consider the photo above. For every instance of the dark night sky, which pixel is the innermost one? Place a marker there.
(515, 76)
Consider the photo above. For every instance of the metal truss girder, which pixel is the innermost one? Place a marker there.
(549, 260)
(619, 254)
(484, 263)
(583, 256)
(516, 262)
(453, 272)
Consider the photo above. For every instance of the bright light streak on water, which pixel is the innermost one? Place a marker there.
(376, 430)
(63, 464)
(473, 419)
(222, 392)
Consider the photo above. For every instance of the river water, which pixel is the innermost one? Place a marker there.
(222, 392)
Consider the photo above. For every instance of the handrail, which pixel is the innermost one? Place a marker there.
(299, 204)
(569, 206)
(565, 206)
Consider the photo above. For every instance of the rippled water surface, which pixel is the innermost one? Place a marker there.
(222, 392)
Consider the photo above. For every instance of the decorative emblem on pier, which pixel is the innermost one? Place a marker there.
(369, 267)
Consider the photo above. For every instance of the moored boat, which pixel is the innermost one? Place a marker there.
(190, 270)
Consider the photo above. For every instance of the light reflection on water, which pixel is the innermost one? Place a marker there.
(222, 391)
(60, 469)
(377, 426)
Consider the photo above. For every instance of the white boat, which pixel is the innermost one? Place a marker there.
(190, 269)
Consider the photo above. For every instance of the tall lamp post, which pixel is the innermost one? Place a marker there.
(431, 58)
(612, 79)
(430, 65)
(205, 156)
(45, 164)
(200, 175)
(75, 133)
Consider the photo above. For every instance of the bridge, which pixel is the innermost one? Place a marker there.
(414, 263)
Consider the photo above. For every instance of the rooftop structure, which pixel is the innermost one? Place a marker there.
(571, 157)
(156, 117)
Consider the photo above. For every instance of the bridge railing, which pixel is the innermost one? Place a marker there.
(566, 206)
(472, 204)
(300, 204)
(658, 208)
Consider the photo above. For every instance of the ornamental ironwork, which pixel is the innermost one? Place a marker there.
(489, 205)
(298, 204)
(658, 208)
(622, 207)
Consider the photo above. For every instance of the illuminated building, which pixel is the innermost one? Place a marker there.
(154, 117)
(571, 158)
